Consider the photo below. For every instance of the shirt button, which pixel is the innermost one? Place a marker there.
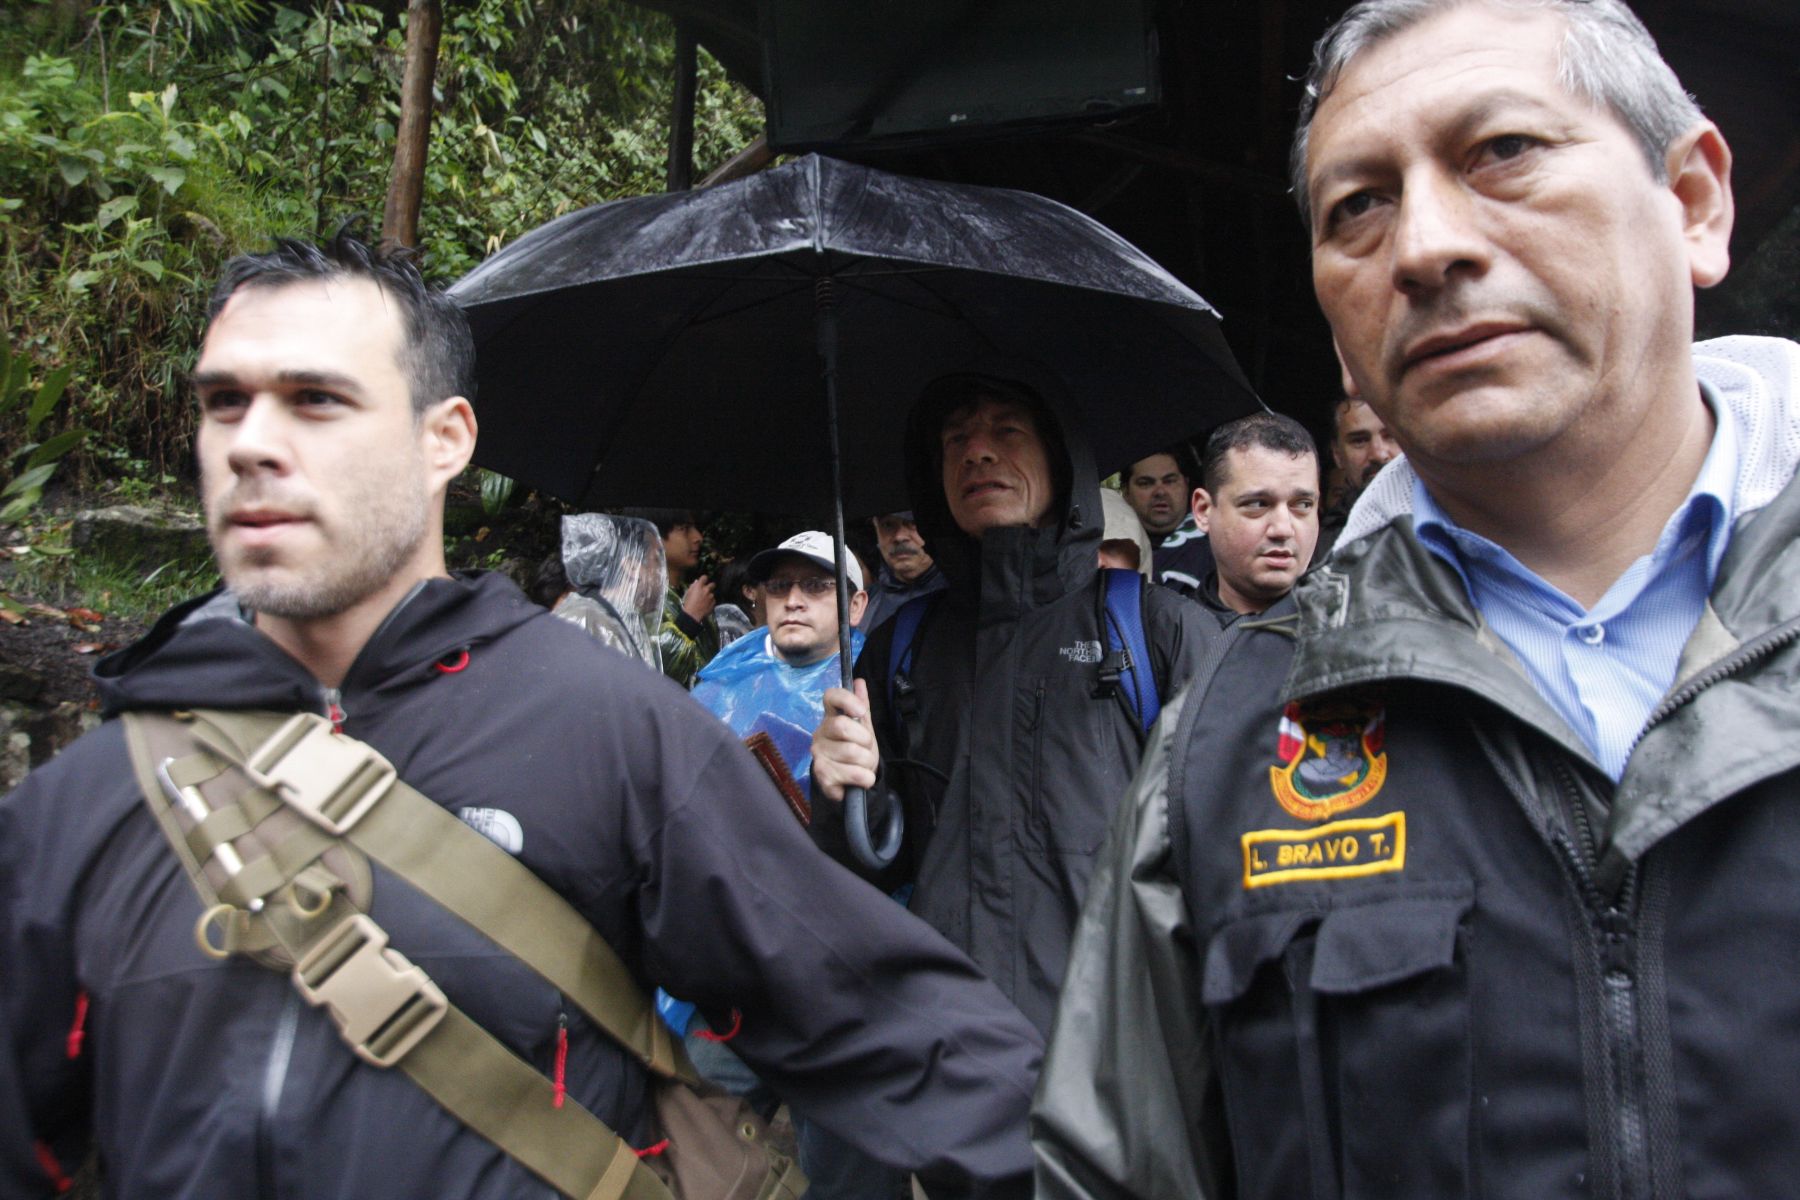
(1593, 635)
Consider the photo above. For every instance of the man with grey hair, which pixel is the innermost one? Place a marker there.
(1483, 879)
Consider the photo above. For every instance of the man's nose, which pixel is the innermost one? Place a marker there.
(1435, 235)
(258, 438)
(978, 447)
(1386, 449)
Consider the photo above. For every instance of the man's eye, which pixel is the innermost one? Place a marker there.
(1508, 146)
(223, 404)
(316, 399)
(1350, 207)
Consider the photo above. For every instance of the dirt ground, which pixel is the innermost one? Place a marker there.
(58, 651)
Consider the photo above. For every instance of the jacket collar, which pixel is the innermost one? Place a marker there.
(1383, 607)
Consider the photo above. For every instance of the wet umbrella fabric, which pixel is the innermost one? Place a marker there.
(663, 349)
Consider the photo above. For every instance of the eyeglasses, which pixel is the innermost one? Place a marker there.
(813, 585)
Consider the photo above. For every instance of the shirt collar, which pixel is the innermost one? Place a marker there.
(1709, 506)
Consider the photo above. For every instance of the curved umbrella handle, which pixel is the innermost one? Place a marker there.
(856, 826)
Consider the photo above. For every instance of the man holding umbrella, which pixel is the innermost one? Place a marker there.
(995, 733)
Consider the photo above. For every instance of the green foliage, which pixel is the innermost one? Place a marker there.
(37, 460)
(141, 144)
(496, 490)
(54, 575)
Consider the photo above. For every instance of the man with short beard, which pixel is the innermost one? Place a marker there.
(333, 415)
(1361, 444)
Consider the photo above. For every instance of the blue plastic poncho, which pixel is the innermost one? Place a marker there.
(750, 688)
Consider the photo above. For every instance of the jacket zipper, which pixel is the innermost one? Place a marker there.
(334, 709)
(281, 1053)
(1612, 919)
(1730, 665)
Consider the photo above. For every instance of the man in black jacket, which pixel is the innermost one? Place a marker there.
(1473, 868)
(331, 385)
(1013, 757)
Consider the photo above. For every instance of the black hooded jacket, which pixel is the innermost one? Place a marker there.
(1021, 762)
(201, 1078)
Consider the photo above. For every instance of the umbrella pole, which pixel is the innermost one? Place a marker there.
(856, 800)
(825, 322)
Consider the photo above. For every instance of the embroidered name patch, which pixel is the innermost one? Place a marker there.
(1340, 850)
(1332, 758)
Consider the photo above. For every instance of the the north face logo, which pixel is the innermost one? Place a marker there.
(497, 826)
(1081, 652)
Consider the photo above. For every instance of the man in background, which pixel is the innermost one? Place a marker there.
(906, 571)
(1259, 505)
(1160, 489)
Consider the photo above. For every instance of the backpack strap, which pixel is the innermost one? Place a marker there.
(272, 893)
(903, 703)
(1128, 668)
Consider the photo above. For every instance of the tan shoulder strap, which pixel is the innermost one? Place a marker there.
(284, 907)
(436, 852)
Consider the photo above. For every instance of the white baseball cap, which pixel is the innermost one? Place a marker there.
(814, 547)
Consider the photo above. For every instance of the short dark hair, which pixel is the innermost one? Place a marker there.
(1271, 431)
(438, 354)
(1181, 452)
(664, 519)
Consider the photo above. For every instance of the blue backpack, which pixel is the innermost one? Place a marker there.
(1125, 670)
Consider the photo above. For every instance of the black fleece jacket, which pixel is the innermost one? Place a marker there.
(201, 1078)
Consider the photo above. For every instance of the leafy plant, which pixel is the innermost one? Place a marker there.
(40, 459)
(496, 490)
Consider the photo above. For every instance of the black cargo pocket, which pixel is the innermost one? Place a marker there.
(1343, 1046)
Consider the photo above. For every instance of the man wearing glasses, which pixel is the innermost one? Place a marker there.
(774, 684)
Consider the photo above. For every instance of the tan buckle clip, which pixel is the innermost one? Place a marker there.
(332, 781)
(382, 1004)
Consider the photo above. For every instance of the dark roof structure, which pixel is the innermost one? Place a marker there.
(1199, 182)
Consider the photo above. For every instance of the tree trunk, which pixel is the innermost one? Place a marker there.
(406, 186)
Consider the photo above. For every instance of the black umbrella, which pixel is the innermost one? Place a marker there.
(665, 349)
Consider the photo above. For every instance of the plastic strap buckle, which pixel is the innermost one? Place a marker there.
(382, 1004)
(331, 781)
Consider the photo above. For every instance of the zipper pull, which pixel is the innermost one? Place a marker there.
(334, 710)
(1615, 930)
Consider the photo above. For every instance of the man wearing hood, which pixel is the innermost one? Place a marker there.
(1006, 754)
(331, 387)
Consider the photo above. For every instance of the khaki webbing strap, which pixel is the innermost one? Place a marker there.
(437, 853)
(505, 1099)
(465, 1069)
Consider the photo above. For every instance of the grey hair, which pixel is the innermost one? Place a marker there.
(1608, 59)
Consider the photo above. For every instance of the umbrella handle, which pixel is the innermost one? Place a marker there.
(856, 826)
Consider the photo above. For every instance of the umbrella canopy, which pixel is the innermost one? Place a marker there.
(663, 350)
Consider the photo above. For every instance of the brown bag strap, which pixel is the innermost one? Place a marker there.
(386, 1009)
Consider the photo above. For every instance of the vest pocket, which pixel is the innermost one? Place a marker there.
(1343, 1045)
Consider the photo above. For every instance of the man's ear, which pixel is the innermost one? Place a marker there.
(1699, 165)
(1201, 506)
(858, 603)
(447, 430)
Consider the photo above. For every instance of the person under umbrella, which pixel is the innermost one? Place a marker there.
(996, 735)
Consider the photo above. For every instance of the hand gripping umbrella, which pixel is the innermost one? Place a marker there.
(664, 349)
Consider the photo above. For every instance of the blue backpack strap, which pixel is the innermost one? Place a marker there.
(906, 633)
(1128, 647)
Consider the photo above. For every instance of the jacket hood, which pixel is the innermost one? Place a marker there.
(1752, 381)
(1053, 559)
(205, 653)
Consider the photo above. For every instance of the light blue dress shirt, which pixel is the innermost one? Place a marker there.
(1604, 668)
